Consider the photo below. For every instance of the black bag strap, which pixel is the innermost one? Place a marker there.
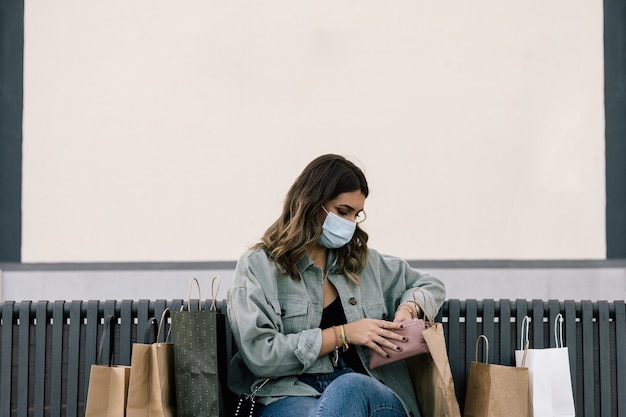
(108, 331)
(151, 334)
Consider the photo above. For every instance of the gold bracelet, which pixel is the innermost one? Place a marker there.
(407, 309)
(410, 310)
(418, 309)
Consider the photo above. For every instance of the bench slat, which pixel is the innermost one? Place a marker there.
(604, 342)
(521, 307)
(488, 328)
(537, 325)
(554, 308)
(505, 333)
(73, 362)
(109, 310)
(143, 314)
(56, 359)
(126, 323)
(6, 364)
(23, 333)
(471, 331)
(159, 308)
(39, 389)
(454, 349)
(569, 329)
(91, 343)
(588, 363)
(620, 342)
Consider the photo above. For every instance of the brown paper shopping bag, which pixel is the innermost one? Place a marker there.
(151, 390)
(430, 373)
(432, 377)
(198, 392)
(108, 384)
(495, 390)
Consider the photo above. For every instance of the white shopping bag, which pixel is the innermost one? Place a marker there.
(549, 379)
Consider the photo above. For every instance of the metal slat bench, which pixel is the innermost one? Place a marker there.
(47, 348)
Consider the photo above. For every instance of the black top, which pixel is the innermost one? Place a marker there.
(333, 315)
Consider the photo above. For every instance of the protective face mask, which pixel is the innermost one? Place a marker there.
(336, 231)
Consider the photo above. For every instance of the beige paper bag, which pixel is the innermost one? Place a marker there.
(432, 378)
(496, 390)
(108, 384)
(108, 390)
(151, 391)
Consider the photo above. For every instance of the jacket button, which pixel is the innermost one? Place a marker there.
(411, 414)
(384, 316)
(282, 312)
(352, 300)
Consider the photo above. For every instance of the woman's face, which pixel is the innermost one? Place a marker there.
(348, 205)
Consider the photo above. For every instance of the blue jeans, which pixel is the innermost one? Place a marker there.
(349, 395)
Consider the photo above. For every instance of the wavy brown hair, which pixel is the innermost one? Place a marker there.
(298, 227)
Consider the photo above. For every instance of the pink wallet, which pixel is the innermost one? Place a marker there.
(414, 345)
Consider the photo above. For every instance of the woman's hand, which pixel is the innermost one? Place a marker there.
(374, 334)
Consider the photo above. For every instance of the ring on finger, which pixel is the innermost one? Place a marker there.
(382, 331)
(383, 324)
(377, 340)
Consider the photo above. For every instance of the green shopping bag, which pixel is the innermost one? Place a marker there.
(196, 373)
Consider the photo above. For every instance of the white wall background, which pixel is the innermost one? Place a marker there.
(171, 131)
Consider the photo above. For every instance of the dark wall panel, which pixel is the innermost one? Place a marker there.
(615, 110)
(11, 100)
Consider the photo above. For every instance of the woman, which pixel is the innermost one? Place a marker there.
(311, 299)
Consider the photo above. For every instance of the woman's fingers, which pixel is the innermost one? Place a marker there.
(376, 334)
(381, 334)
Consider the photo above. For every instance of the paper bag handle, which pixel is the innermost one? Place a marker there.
(427, 298)
(166, 313)
(214, 292)
(524, 340)
(558, 325)
(189, 295)
(483, 337)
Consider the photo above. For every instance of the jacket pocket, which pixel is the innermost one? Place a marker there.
(293, 313)
(375, 311)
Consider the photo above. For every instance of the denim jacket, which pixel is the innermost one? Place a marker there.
(275, 321)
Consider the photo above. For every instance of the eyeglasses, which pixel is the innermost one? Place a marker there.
(360, 216)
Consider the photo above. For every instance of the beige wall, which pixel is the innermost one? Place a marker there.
(171, 131)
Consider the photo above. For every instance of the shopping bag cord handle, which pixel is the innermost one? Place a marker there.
(428, 300)
(558, 325)
(166, 313)
(524, 340)
(189, 294)
(482, 336)
(215, 292)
